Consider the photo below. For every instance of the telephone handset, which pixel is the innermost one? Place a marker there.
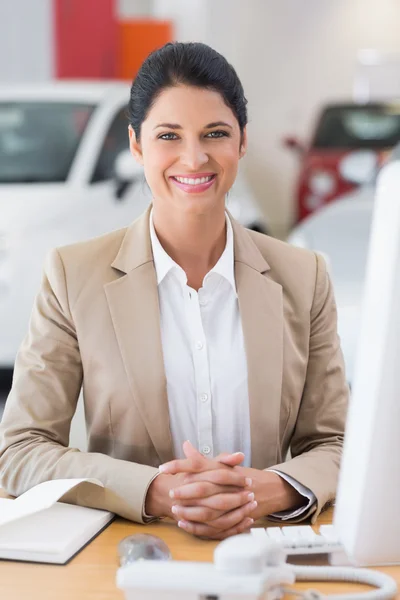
(244, 567)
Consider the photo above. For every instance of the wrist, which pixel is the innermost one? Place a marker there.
(272, 492)
(277, 494)
(158, 502)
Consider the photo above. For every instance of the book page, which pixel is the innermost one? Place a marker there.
(51, 535)
(39, 498)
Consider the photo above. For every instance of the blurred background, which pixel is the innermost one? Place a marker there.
(322, 78)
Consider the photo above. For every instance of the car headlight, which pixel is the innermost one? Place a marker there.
(359, 166)
(322, 183)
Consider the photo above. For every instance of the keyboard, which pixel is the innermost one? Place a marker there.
(302, 539)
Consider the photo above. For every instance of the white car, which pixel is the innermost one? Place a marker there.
(66, 175)
(340, 231)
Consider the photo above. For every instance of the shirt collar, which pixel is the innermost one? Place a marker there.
(164, 263)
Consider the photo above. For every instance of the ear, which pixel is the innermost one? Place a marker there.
(243, 145)
(134, 146)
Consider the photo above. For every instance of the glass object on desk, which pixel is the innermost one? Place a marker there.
(142, 546)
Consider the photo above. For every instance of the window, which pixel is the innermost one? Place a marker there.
(115, 141)
(370, 126)
(39, 140)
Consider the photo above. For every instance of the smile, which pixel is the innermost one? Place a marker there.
(191, 181)
(194, 185)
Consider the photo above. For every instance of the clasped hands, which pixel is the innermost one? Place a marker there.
(215, 498)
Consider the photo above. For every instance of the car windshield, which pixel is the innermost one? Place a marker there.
(38, 140)
(374, 126)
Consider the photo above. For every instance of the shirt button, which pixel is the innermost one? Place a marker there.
(204, 397)
(199, 345)
(206, 450)
(202, 302)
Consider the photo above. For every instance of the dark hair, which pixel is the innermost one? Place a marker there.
(190, 63)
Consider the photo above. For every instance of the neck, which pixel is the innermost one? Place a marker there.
(194, 242)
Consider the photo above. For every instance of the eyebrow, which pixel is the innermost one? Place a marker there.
(209, 126)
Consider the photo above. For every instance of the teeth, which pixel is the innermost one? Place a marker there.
(191, 181)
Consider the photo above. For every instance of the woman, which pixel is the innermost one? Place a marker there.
(184, 326)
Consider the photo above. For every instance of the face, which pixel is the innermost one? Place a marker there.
(190, 148)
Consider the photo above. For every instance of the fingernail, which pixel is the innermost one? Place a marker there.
(174, 509)
(182, 524)
(249, 481)
(237, 453)
(254, 504)
(251, 497)
(250, 521)
(162, 468)
(171, 494)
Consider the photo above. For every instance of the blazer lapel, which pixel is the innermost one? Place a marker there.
(134, 308)
(261, 309)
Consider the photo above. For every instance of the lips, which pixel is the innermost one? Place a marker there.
(194, 184)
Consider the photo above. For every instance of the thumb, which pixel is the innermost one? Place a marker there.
(190, 451)
(231, 460)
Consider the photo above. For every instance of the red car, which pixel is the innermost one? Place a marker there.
(349, 143)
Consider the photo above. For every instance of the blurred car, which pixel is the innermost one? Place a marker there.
(340, 232)
(348, 145)
(66, 175)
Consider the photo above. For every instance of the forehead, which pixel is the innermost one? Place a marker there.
(188, 105)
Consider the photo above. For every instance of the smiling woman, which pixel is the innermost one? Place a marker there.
(188, 129)
(184, 326)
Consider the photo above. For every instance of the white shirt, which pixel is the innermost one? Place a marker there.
(205, 360)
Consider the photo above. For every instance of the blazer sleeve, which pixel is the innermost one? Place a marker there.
(34, 431)
(317, 442)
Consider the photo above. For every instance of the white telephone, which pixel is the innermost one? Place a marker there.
(244, 568)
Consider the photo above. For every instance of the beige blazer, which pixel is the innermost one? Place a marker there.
(95, 323)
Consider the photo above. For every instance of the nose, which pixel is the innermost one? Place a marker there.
(193, 155)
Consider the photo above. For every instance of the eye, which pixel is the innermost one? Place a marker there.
(168, 136)
(218, 134)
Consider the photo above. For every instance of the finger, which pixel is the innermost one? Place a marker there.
(220, 477)
(244, 527)
(184, 465)
(232, 518)
(204, 531)
(231, 460)
(190, 451)
(199, 514)
(205, 501)
(218, 490)
(201, 489)
(195, 461)
(210, 509)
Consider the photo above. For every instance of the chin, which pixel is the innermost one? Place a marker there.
(200, 203)
(198, 206)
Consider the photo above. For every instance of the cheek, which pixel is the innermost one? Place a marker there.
(157, 158)
(229, 160)
(228, 155)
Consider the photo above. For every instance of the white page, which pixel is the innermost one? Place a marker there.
(38, 498)
(51, 530)
(51, 535)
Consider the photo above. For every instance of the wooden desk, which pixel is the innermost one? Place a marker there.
(91, 574)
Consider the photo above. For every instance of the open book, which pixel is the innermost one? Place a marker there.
(36, 527)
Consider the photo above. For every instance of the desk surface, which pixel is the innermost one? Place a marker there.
(91, 574)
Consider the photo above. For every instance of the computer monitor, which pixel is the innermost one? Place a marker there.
(367, 512)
